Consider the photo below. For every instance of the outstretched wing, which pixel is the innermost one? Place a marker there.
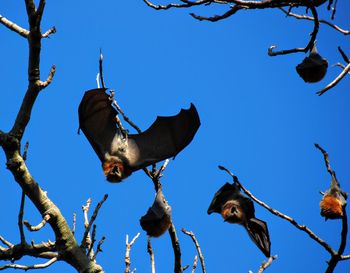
(166, 137)
(258, 232)
(97, 120)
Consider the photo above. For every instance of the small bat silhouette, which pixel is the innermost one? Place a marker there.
(122, 154)
(313, 68)
(157, 220)
(235, 208)
(333, 202)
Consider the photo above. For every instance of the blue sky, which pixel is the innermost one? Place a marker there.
(259, 119)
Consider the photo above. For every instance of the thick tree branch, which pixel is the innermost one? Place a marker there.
(176, 247)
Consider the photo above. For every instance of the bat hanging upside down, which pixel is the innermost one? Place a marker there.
(120, 153)
(235, 208)
(157, 220)
(333, 201)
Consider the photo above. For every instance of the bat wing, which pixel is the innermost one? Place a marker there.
(166, 137)
(258, 232)
(97, 120)
(225, 193)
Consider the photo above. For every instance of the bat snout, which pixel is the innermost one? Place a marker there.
(115, 171)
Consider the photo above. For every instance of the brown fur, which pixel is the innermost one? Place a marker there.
(331, 207)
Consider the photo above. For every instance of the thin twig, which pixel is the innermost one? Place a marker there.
(74, 223)
(151, 255)
(92, 219)
(20, 218)
(90, 253)
(304, 228)
(335, 81)
(27, 267)
(5, 242)
(310, 44)
(194, 264)
(25, 151)
(344, 56)
(39, 226)
(127, 251)
(342, 66)
(195, 241)
(99, 249)
(49, 78)
(265, 265)
(101, 69)
(305, 17)
(49, 32)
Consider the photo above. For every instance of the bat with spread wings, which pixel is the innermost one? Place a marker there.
(157, 220)
(121, 154)
(235, 208)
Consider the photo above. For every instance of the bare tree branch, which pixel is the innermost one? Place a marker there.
(265, 265)
(335, 81)
(39, 226)
(12, 26)
(309, 18)
(176, 247)
(27, 267)
(92, 219)
(195, 241)
(194, 266)
(127, 251)
(20, 218)
(151, 255)
(99, 249)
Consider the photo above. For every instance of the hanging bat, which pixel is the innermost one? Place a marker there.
(235, 208)
(157, 220)
(122, 154)
(313, 68)
(333, 202)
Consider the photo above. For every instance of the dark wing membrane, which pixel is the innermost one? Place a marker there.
(97, 120)
(258, 232)
(166, 137)
(225, 193)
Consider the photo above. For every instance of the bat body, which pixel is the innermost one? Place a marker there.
(235, 208)
(157, 220)
(121, 153)
(333, 202)
(313, 68)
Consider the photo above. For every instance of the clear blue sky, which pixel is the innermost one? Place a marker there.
(259, 119)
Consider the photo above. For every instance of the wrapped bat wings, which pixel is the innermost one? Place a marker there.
(157, 220)
(121, 154)
(235, 208)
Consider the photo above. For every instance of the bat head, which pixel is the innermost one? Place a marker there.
(233, 213)
(313, 68)
(115, 171)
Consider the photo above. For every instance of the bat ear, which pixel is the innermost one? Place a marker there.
(313, 68)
